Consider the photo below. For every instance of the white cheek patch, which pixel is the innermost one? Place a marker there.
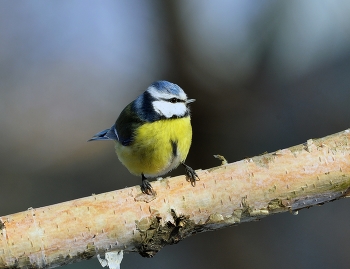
(168, 109)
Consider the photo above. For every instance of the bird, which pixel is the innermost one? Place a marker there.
(153, 134)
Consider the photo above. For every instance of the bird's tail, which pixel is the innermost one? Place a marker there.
(108, 134)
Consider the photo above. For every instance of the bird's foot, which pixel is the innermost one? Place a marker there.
(191, 175)
(146, 187)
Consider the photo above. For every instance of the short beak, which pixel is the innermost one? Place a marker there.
(190, 101)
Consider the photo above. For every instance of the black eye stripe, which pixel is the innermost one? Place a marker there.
(174, 100)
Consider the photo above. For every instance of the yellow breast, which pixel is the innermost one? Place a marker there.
(157, 147)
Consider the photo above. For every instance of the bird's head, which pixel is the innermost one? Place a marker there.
(167, 100)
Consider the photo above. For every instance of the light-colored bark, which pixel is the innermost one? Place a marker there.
(286, 180)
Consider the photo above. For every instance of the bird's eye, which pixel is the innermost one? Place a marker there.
(173, 100)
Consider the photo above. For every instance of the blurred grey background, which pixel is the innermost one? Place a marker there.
(266, 75)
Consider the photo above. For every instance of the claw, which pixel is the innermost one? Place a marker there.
(191, 175)
(146, 187)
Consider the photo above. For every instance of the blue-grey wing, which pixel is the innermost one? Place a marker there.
(124, 128)
(127, 124)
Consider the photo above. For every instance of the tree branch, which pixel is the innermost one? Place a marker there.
(286, 180)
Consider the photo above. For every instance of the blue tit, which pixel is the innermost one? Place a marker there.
(153, 134)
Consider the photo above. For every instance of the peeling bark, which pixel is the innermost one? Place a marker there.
(284, 181)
